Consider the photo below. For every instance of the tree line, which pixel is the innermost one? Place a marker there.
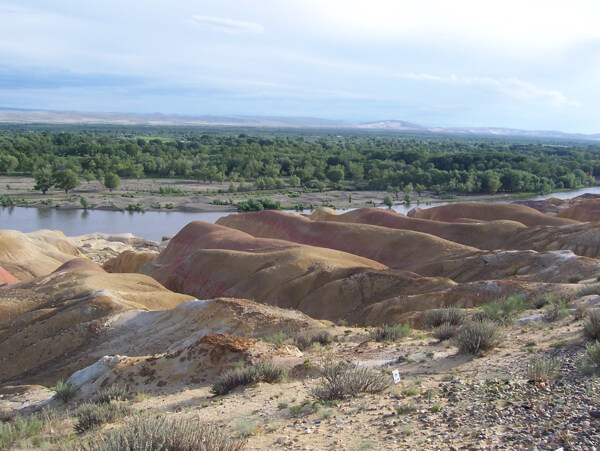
(270, 160)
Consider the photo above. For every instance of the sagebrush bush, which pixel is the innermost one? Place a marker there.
(90, 415)
(390, 333)
(445, 331)
(505, 310)
(543, 369)
(160, 434)
(477, 337)
(591, 328)
(304, 339)
(277, 338)
(450, 315)
(19, 428)
(65, 390)
(260, 372)
(112, 393)
(343, 380)
(591, 358)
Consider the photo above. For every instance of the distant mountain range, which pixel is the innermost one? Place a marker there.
(22, 116)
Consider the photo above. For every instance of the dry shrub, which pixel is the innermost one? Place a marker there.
(450, 315)
(478, 337)
(343, 380)
(160, 434)
(591, 328)
(304, 339)
(390, 333)
(260, 372)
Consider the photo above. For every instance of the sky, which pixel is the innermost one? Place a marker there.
(528, 64)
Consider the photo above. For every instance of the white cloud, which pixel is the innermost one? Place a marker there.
(511, 86)
(225, 24)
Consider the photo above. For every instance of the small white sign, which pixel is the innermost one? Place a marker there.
(396, 375)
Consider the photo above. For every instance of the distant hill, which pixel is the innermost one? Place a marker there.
(24, 116)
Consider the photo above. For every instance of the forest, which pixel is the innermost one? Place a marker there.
(254, 159)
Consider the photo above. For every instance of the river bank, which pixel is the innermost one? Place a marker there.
(194, 197)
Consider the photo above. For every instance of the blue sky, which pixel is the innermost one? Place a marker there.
(522, 64)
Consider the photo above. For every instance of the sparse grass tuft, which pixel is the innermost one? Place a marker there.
(342, 380)
(591, 328)
(476, 338)
(543, 369)
(304, 339)
(246, 426)
(404, 408)
(260, 372)
(142, 434)
(65, 390)
(390, 333)
(591, 358)
(433, 319)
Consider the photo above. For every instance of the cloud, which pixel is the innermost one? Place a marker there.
(511, 86)
(225, 25)
(53, 78)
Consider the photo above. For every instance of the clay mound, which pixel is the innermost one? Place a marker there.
(482, 235)
(551, 267)
(6, 277)
(129, 261)
(54, 343)
(101, 247)
(398, 249)
(581, 238)
(584, 211)
(490, 212)
(409, 308)
(30, 255)
(195, 363)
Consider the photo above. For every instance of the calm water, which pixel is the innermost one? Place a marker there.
(152, 224)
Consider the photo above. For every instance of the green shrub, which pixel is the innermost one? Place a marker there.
(19, 428)
(90, 415)
(65, 390)
(112, 393)
(451, 315)
(505, 310)
(390, 333)
(136, 207)
(277, 338)
(342, 380)
(542, 369)
(260, 372)
(304, 339)
(591, 328)
(170, 191)
(160, 434)
(591, 358)
(258, 205)
(85, 203)
(477, 337)
(445, 331)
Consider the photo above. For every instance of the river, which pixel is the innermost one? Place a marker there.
(153, 224)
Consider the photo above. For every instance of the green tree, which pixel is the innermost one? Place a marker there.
(66, 179)
(43, 179)
(335, 174)
(111, 181)
(387, 200)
